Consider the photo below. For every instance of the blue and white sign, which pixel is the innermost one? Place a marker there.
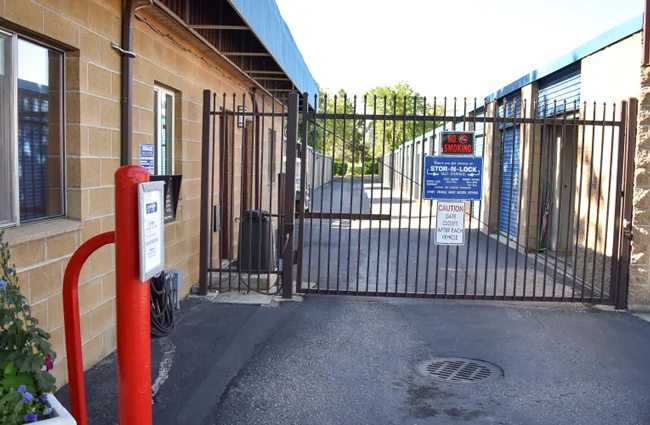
(453, 178)
(147, 157)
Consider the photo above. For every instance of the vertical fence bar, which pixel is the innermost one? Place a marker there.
(431, 151)
(501, 178)
(212, 166)
(363, 188)
(529, 189)
(258, 119)
(411, 197)
(512, 183)
(390, 185)
(272, 159)
(540, 207)
(249, 165)
(329, 239)
(338, 258)
(444, 123)
(577, 238)
(223, 186)
(399, 232)
(390, 208)
(421, 193)
(495, 113)
(471, 203)
(609, 198)
(520, 195)
(480, 204)
(322, 195)
(289, 197)
(314, 172)
(351, 206)
(551, 194)
(572, 182)
(231, 217)
(204, 238)
(561, 163)
(372, 195)
(587, 221)
(600, 179)
(301, 201)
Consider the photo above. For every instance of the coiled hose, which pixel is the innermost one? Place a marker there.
(162, 307)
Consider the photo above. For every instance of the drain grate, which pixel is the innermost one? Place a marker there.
(452, 369)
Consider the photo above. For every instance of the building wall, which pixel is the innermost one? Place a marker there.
(92, 83)
(639, 288)
(607, 77)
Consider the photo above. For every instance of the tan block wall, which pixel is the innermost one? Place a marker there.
(92, 84)
(639, 287)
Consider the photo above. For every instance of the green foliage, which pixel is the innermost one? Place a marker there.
(340, 169)
(371, 167)
(24, 351)
(355, 140)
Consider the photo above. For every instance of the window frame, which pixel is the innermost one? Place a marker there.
(15, 36)
(160, 93)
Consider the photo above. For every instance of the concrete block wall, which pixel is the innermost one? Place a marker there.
(41, 251)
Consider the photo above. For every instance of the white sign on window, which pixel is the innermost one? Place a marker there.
(450, 223)
(151, 208)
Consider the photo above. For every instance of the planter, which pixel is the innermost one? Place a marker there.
(59, 416)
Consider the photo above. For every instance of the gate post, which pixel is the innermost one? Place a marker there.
(289, 203)
(205, 236)
(628, 195)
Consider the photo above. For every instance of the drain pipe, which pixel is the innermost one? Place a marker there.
(126, 50)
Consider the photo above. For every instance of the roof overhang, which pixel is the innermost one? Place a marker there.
(247, 37)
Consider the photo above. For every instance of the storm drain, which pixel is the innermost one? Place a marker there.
(465, 371)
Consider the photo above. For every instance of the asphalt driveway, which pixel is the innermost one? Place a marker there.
(330, 360)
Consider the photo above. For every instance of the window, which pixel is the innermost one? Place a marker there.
(31, 131)
(164, 131)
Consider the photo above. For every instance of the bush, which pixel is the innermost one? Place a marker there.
(371, 168)
(340, 170)
(26, 356)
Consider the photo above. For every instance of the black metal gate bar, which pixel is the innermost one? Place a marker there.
(384, 231)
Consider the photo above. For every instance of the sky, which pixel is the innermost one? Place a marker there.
(463, 48)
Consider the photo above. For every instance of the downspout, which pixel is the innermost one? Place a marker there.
(126, 50)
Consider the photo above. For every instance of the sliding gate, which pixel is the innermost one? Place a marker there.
(361, 227)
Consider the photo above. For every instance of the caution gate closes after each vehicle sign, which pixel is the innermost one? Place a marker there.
(450, 223)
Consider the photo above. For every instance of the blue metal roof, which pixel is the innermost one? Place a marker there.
(266, 22)
(620, 32)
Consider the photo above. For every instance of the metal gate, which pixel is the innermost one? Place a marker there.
(360, 226)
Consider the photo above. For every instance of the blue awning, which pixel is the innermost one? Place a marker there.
(266, 22)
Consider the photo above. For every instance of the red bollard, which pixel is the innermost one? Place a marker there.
(72, 327)
(132, 298)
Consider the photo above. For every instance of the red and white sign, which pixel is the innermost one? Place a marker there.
(450, 223)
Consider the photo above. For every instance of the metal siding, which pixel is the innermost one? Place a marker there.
(559, 87)
(510, 181)
(510, 170)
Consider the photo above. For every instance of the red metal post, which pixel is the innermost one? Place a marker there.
(72, 327)
(132, 298)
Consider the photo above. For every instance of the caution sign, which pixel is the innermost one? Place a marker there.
(457, 143)
(450, 223)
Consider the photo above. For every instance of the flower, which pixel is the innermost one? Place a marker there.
(28, 398)
(3, 285)
(48, 363)
(44, 398)
(22, 389)
(47, 411)
(32, 417)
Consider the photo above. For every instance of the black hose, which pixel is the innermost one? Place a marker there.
(162, 307)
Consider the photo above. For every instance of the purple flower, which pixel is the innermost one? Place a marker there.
(32, 417)
(28, 398)
(44, 398)
(3, 285)
(22, 389)
(47, 411)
